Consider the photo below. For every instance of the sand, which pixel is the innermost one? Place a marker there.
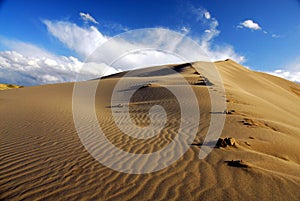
(42, 157)
(9, 86)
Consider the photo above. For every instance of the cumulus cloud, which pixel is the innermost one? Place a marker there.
(254, 26)
(250, 24)
(82, 40)
(87, 17)
(24, 70)
(20, 66)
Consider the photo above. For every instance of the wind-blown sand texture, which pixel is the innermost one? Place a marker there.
(42, 158)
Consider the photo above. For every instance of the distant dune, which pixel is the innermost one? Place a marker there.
(9, 86)
(42, 157)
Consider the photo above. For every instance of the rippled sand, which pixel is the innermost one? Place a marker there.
(42, 157)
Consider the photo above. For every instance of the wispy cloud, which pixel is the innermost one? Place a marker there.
(275, 36)
(185, 30)
(215, 52)
(199, 13)
(81, 40)
(25, 49)
(87, 17)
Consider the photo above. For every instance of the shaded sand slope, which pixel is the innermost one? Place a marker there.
(42, 158)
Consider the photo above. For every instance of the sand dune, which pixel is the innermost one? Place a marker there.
(42, 157)
(9, 86)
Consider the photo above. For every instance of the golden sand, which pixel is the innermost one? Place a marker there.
(42, 157)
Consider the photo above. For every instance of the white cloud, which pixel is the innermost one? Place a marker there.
(50, 62)
(200, 13)
(31, 65)
(250, 24)
(207, 15)
(146, 58)
(25, 49)
(24, 70)
(147, 47)
(290, 71)
(185, 30)
(27, 64)
(41, 67)
(50, 78)
(289, 75)
(87, 17)
(275, 36)
(82, 40)
(225, 52)
(216, 52)
(211, 31)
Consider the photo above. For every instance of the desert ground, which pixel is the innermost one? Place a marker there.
(42, 157)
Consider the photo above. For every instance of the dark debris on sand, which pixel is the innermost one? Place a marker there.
(237, 163)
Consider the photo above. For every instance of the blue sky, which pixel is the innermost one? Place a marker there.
(47, 41)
